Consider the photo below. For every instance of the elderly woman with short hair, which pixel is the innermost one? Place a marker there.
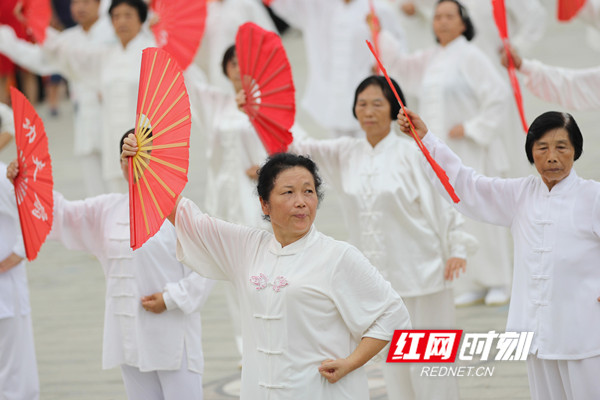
(555, 222)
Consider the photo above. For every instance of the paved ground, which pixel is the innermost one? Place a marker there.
(67, 288)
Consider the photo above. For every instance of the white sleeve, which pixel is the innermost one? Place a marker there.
(374, 309)
(7, 123)
(493, 98)
(78, 225)
(189, 294)
(573, 89)
(27, 55)
(211, 247)
(491, 200)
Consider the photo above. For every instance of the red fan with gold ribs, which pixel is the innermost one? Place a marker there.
(33, 185)
(500, 18)
(567, 9)
(180, 28)
(36, 17)
(439, 171)
(158, 172)
(267, 81)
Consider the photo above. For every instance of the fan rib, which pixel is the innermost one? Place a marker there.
(157, 87)
(163, 146)
(152, 195)
(164, 97)
(158, 134)
(158, 179)
(141, 199)
(148, 82)
(279, 106)
(170, 108)
(165, 163)
(266, 64)
(275, 90)
(273, 75)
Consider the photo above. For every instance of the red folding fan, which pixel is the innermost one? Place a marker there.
(500, 18)
(567, 9)
(439, 171)
(180, 28)
(33, 185)
(36, 14)
(267, 81)
(158, 172)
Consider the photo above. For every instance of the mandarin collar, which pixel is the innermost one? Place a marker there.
(384, 143)
(296, 247)
(561, 187)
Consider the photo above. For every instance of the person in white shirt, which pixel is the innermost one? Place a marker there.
(18, 366)
(152, 322)
(463, 96)
(575, 89)
(338, 59)
(555, 222)
(313, 308)
(398, 221)
(91, 30)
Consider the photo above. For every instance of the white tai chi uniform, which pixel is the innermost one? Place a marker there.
(232, 147)
(223, 18)
(117, 70)
(165, 348)
(571, 88)
(556, 278)
(18, 367)
(301, 304)
(84, 89)
(404, 228)
(457, 84)
(337, 55)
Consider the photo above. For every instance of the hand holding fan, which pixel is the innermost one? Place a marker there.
(267, 81)
(158, 172)
(180, 28)
(500, 19)
(33, 185)
(441, 174)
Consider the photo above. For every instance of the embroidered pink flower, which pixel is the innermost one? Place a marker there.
(261, 281)
(279, 283)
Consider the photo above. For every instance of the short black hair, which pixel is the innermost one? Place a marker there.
(139, 5)
(469, 32)
(381, 82)
(227, 56)
(279, 162)
(549, 121)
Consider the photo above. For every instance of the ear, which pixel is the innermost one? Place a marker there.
(266, 208)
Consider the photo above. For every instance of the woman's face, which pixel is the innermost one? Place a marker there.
(126, 21)
(373, 112)
(292, 204)
(233, 73)
(447, 24)
(553, 156)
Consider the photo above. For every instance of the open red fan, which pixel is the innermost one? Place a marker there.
(500, 18)
(36, 14)
(158, 172)
(441, 174)
(267, 81)
(567, 9)
(33, 185)
(180, 28)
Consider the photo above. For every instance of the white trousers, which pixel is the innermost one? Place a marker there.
(403, 380)
(181, 384)
(18, 366)
(564, 379)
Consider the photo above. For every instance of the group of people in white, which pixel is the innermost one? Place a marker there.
(308, 310)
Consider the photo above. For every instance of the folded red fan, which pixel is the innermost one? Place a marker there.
(33, 185)
(267, 81)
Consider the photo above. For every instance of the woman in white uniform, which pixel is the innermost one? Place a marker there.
(399, 222)
(555, 222)
(18, 366)
(462, 94)
(338, 59)
(152, 323)
(84, 86)
(314, 310)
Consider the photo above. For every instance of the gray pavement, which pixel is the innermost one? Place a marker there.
(67, 287)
